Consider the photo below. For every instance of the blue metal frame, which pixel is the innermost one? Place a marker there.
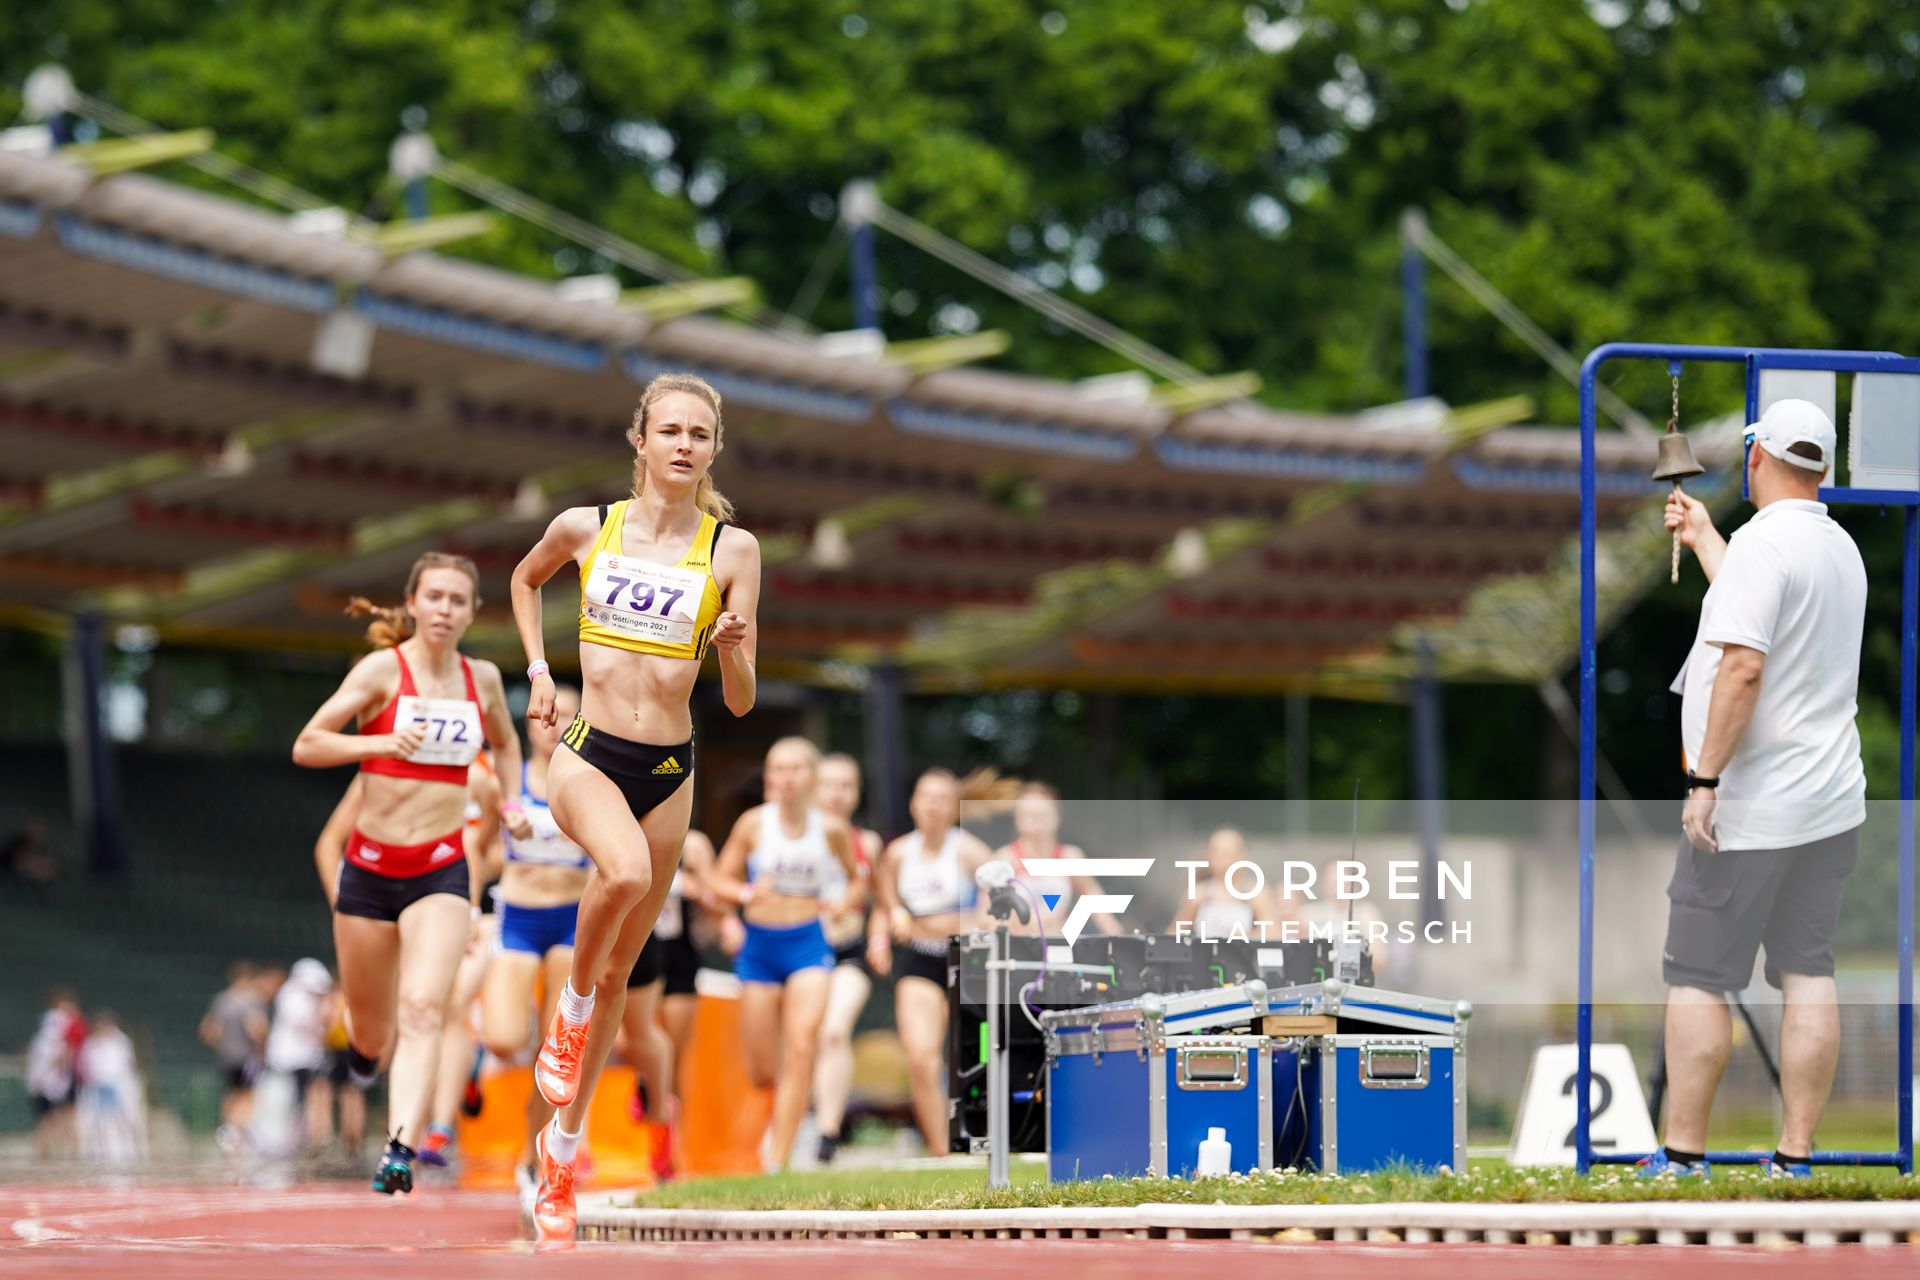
(1413, 317)
(1754, 359)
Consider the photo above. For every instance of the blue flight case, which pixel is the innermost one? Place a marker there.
(1132, 1087)
(1135, 1108)
(1365, 1078)
(1359, 1102)
(1355, 1078)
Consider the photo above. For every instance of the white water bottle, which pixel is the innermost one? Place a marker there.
(1216, 1156)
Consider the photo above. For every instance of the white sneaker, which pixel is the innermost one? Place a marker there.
(231, 1139)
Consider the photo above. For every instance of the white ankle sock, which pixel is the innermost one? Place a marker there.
(574, 1007)
(561, 1145)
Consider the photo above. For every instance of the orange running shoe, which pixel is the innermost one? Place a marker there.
(554, 1213)
(662, 1154)
(557, 1070)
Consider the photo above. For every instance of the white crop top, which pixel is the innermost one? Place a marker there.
(547, 846)
(788, 866)
(931, 886)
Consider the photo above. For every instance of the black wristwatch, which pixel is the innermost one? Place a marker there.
(1695, 780)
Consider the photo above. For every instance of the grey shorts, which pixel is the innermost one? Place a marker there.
(1722, 907)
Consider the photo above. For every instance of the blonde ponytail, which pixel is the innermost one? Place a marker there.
(389, 626)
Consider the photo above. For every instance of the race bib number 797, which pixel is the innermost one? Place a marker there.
(644, 600)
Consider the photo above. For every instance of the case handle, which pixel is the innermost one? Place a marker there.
(1394, 1066)
(1201, 1066)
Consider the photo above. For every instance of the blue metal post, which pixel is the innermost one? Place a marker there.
(1429, 776)
(866, 315)
(1909, 654)
(1753, 415)
(95, 782)
(1413, 304)
(1589, 710)
(886, 748)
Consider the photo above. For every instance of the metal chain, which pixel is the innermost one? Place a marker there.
(1673, 427)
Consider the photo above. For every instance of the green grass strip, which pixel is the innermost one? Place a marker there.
(1487, 1182)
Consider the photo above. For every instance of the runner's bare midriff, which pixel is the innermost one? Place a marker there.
(525, 884)
(781, 911)
(406, 811)
(637, 696)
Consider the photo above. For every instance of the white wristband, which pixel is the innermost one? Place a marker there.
(537, 669)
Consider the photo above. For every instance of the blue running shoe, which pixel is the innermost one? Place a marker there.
(438, 1147)
(395, 1174)
(1771, 1168)
(1658, 1164)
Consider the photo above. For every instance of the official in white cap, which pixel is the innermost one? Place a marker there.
(1775, 792)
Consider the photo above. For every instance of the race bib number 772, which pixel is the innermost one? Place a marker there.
(454, 734)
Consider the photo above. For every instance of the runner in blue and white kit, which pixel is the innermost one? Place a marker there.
(775, 866)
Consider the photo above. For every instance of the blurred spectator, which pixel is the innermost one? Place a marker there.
(267, 985)
(112, 1110)
(24, 855)
(296, 1043)
(235, 1028)
(52, 1073)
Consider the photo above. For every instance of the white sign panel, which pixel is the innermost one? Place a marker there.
(1543, 1129)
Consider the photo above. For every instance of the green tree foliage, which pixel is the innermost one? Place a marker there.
(1224, 179)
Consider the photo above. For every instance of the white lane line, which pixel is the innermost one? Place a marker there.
(33, 1231)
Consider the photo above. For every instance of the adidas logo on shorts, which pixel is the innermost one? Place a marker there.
(669, 765)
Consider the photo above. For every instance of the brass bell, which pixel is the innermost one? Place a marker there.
(1676, 460)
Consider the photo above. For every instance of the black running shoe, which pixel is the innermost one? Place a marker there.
(829, 1147)
(395, 1174)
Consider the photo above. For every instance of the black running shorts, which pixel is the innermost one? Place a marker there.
(646, 775)
(683, 963)
(909, 962)
(362, 893)
(1723, 907)
(650, 965)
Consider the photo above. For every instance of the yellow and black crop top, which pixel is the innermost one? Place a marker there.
(644, 607)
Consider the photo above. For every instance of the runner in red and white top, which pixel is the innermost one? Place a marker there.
(1036, 825)
(402, 904)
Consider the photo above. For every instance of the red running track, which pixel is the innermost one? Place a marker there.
(324, 1230)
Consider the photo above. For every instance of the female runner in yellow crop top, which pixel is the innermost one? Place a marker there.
(663, 579)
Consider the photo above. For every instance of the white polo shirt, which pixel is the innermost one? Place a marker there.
(1792, 586)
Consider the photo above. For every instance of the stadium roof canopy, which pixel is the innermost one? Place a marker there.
(170, 454)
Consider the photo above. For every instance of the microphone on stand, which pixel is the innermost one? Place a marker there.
(995, 879)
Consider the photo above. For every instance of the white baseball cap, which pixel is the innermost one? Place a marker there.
(311, 975)
(1790, 422)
